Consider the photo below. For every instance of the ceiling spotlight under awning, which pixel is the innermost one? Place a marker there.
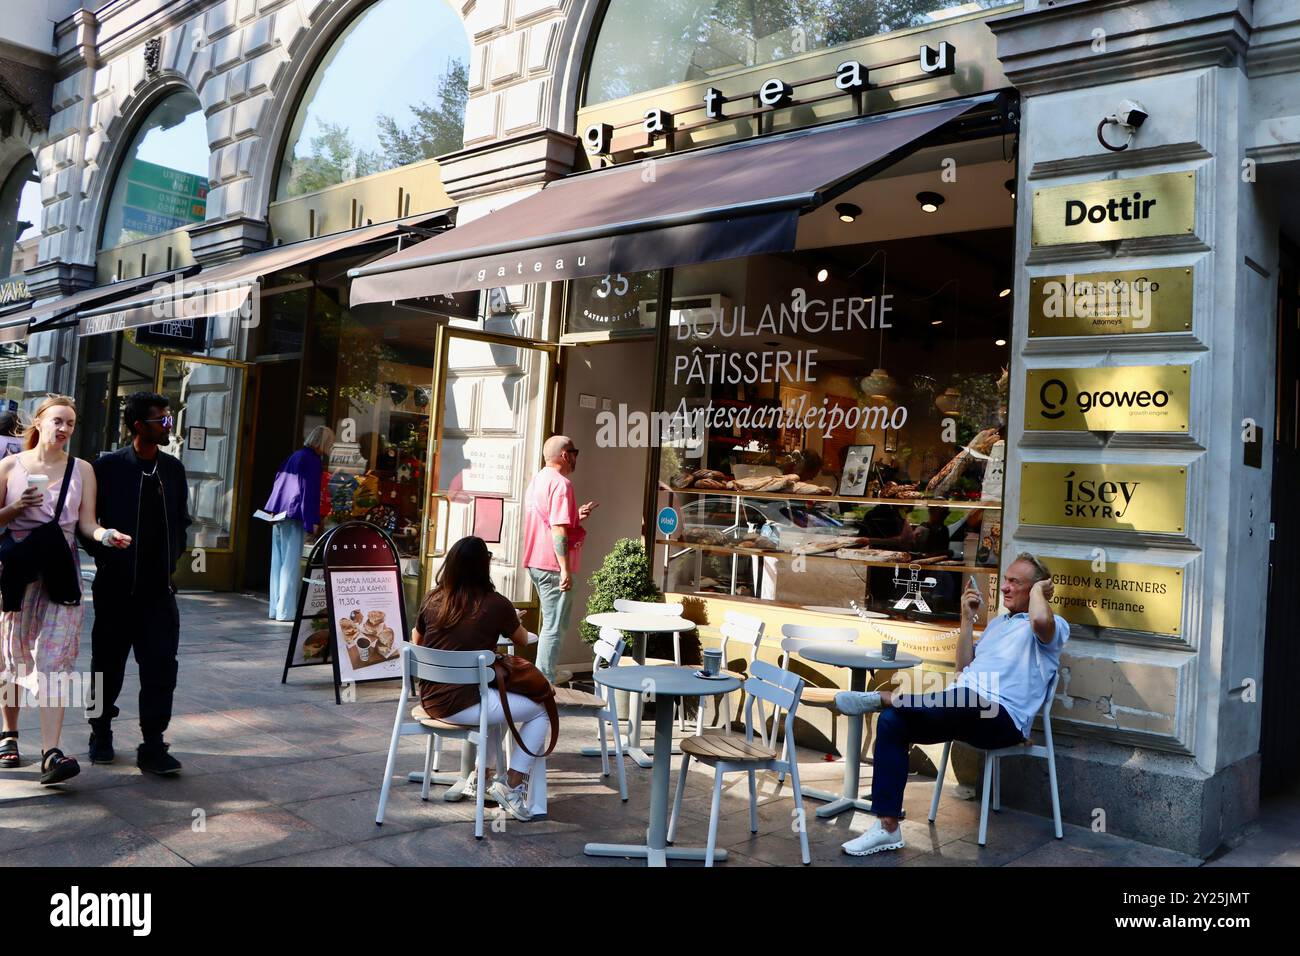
(1004, 293)
(847, 211)
(823, 274)
(930, 202)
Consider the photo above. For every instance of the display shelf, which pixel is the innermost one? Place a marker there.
(773, 553)
(959, 503)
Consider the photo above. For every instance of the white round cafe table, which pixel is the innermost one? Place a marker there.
(667, 684)
(638, 624)
(860, 660)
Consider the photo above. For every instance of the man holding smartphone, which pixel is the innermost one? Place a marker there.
(1000, 685)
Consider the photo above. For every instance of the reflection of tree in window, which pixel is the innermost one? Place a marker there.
(643, 46)
(368, 106)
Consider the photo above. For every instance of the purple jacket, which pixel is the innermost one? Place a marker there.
(297, 488)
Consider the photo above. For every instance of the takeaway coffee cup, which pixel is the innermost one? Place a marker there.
(40, 482)
(363, 648)
(889, 650)
(712, 661)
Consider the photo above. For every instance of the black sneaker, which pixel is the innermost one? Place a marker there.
(154, 758)
(101, 747)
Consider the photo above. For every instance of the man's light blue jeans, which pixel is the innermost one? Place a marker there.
(556, 607)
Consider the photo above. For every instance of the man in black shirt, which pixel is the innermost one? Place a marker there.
(146, 492)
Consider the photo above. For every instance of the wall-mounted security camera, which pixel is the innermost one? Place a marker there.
(1129, 117)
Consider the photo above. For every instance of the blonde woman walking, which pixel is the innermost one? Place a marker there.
(40, 624)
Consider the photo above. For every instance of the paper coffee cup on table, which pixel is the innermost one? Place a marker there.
(889, 650)
(712, 661)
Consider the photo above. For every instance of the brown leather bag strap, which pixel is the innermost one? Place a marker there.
(503, 672)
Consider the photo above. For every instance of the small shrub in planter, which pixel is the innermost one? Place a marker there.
(624, 574)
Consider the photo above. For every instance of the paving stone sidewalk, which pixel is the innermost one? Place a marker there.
(278, 775)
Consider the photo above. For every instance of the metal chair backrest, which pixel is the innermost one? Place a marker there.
(608, 648)
(626, 606)
(795, 636)
(743, 628)
(446, 667)
(777, 687)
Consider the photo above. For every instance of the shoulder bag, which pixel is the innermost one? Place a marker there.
(514, 675)
(43, 553)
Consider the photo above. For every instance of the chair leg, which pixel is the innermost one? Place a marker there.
(1056, 796)
(785, 752)
(480, 772)
(801, 820)
(677, 800)
(612, 702)
(437, 752)
(388, 771)
(938, 781)
(604, 747)
(753, 802)
(997, 784)
(713, 816)
(726, 718)
(699, 718)
(984, 801)
(681, 701)
(428, 764)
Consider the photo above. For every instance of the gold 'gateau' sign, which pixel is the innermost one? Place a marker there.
(1113, 398)
(1111, 497)
(1106, 210)
(1134, 597)
(1111, 303)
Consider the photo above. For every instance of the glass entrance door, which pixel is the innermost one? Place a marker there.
(207, 399)
(497, 404)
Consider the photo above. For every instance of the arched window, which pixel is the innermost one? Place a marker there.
(20, 215)
(390, 91)
(162, 181)
(644, 46)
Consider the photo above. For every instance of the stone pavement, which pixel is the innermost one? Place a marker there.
(280, 775)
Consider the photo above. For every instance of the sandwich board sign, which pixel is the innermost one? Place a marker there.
(364, 613)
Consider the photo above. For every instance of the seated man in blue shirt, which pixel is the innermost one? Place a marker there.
(1002, 682)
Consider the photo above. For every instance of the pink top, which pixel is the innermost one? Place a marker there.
(548, 501)
(30, 518)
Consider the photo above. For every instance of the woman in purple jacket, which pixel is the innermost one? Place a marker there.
(294, 507)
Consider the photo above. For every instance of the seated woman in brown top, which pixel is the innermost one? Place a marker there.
(464, 612)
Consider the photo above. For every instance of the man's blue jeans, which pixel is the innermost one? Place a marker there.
(286, 568)
(932, 719)
(556, 607)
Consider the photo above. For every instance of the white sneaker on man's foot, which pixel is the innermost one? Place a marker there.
(875, 840)
(514, 800)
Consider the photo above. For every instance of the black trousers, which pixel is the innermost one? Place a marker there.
(151, 627)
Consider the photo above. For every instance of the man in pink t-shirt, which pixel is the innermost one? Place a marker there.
(553, 536)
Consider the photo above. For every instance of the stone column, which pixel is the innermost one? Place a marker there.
(1158, 735)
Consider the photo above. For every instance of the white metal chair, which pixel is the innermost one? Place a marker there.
(781, 689)
(993, 776)
(795, 636)
(746, 631)
(571, 702)
(444, 667)
(627, 606)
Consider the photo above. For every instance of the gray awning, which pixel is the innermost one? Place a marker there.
(718, 203)
(52, 313)
(226, 288)
(14, 324)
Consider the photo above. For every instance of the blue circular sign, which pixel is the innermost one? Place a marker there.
(667, 520)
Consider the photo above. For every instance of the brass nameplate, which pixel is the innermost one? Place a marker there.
(1111, 303)
(1112, 497)
(1135, 597)
(1122, 398)
(1109, 209)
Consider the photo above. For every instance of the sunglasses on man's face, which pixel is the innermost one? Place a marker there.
(167, 421)
(573, 452)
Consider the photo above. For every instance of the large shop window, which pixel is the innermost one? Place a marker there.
(162, 181)
(837, 422)
(644, 46)
(20, 218)
(369, 377)
(391, 91)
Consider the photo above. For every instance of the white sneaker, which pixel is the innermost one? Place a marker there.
(513, 799)
(875, 840)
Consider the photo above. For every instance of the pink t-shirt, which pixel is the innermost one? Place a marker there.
(549, 501)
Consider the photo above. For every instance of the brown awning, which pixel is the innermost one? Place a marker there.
(13, 325)
(226, 287)
(717, 203)
(50, 314)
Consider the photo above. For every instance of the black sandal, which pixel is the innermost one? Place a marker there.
(9, 758)
(58, 767)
